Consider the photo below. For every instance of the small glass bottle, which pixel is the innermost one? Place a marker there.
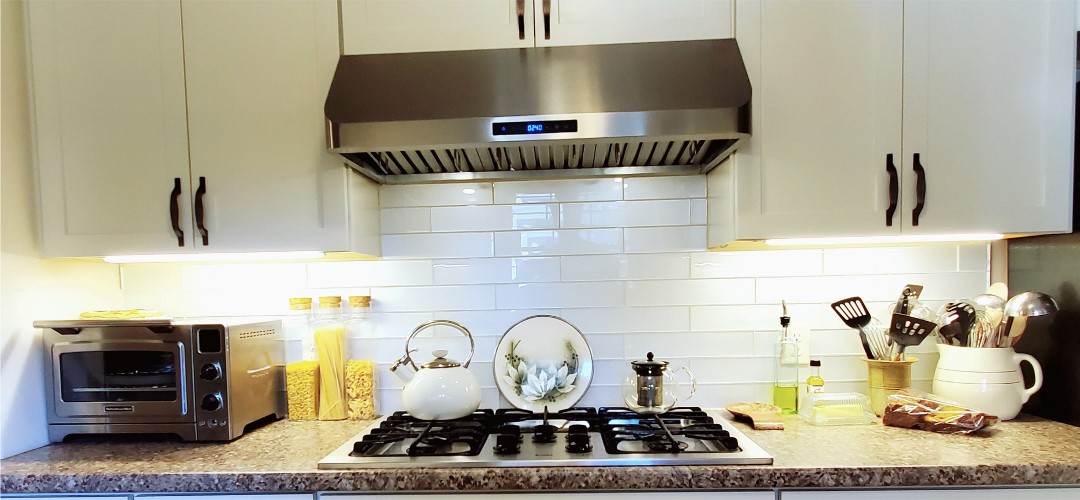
(786, 384)
(815, 384)
(360, 369)
(330, 348)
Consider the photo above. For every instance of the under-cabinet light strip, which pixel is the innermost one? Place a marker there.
(877, 240)
(212, 257)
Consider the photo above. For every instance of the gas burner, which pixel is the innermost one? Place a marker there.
(571, 437)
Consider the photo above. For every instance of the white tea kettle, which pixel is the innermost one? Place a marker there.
(441, 389)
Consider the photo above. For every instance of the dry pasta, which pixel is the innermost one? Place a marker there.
(302, 384)
(360, 389)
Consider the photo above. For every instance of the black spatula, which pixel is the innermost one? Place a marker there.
(855, 315)
(908, 331)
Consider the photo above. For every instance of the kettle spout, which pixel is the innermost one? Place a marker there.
(404, 368)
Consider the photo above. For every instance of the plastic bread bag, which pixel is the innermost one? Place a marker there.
(919, 410)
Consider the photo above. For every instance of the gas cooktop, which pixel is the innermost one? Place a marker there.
(571, 437)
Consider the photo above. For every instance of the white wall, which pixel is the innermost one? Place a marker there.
(623, 260)
(30, 288)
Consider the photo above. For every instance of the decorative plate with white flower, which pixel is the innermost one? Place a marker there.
(543, 361)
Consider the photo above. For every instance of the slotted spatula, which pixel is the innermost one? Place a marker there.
(908, 331)
(854, 313)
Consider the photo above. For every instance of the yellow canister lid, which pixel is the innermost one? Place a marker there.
(360, 300)
(300, 303)
(330, 300)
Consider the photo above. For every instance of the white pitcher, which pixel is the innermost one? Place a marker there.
(985, 379)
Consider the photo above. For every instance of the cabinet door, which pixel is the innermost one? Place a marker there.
(587, 22)
(826, 115)
(988, 107)
(390, 26)
(584, 495)
(257, 77)
(111, 137)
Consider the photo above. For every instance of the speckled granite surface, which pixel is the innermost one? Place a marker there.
(283, 457)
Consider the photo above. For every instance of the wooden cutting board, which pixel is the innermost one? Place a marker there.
(762, 416)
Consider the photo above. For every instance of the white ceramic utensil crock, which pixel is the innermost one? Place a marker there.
(985, 379)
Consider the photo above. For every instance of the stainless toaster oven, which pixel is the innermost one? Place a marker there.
(203, 381)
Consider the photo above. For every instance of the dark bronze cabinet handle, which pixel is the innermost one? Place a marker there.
(521, 19)
(894, 189)
(174, 211)
(547, 19)
(200, 212)
(920, 190)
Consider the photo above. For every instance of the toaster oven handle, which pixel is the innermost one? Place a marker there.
(258, 370)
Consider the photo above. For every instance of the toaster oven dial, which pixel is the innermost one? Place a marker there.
(211, 402)
(210, 371)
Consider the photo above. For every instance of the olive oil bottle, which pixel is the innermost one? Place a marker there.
(786, 384)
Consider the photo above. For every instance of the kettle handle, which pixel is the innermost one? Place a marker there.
(1036, 367)
(442, 322)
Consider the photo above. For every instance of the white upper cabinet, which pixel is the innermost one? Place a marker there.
(111, 137)
(587, 22)
(982, 91)
(988, 107)
(826, 117)
(257, 76)
(392, 26)
(206, 115)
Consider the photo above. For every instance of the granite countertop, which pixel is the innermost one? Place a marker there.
(282, 457)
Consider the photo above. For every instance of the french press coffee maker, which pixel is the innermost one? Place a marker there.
(653, 388)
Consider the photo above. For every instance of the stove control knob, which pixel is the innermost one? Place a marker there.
(544, 433)
(210, 371)
(579, 429)
(513, 430)
(507, 444)
(211, 402)
(578, 443)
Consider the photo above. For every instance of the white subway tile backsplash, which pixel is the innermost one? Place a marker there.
(559, 295)
(437, 245)
(503, 270)
(560, 191)
(433, 298)
(405, 220)
(534, 216)
(825, 288)
(620, 267)
(699, 212)
(688, 344)
(883, 260)
(975, 257)
(626, 214)
(369, 273)
(629, 319)
(756, 264)
(659, 188)
(621, 260)
(472, 218)
(690, 292)
(435, 195)
(665, 239)
(558, 242)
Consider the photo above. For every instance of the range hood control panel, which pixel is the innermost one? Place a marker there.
(534, 127)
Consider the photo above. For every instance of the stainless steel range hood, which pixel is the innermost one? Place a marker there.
(634, 109)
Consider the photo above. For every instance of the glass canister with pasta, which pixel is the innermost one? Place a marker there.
(330, 348)
(360, 369)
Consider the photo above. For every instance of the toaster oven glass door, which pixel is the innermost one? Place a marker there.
(120, 378)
